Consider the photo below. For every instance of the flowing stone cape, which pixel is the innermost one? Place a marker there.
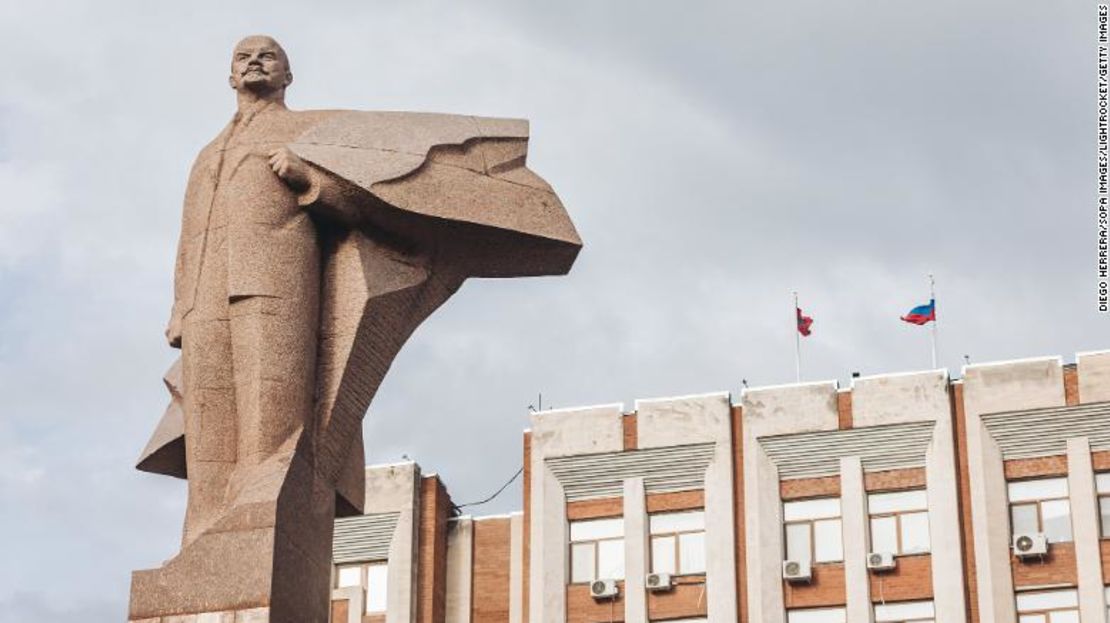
(439, 198)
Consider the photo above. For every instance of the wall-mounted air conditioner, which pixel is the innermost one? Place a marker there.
(881, 561)
(797, 571)
(603, 589)
(658, 581)
(1029, 545)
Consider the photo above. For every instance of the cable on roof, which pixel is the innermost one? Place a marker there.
(496, 493)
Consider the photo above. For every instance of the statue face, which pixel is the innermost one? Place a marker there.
(258, 64)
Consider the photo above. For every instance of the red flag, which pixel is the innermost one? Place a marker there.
(804, 322)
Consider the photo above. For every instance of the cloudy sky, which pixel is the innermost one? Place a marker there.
(714, 156)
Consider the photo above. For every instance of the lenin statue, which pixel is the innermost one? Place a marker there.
(313, 243)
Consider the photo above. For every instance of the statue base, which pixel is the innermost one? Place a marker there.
(268, 560)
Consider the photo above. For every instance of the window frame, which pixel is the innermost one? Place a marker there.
(1048, 611)
(675, 534)
(595, 546)
(364, 581)
(898, 516)
(811, 523)
(1102, 500)
(1039, 504)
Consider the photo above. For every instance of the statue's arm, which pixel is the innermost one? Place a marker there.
(316, 189)
(330, 198)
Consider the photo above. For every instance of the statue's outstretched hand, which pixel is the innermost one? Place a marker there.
(291, 169)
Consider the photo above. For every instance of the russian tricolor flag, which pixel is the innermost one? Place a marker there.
(922, 314)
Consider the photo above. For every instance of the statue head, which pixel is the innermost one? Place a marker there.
(259, 66)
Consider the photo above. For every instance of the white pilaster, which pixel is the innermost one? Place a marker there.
(547, 596)
(1085, 529)
(763, 540)
(853, 508)
(635, 550)
(460, 563)
(944, 525)
(996, 388)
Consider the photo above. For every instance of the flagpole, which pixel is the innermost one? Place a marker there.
(797, 342)
(933, 300)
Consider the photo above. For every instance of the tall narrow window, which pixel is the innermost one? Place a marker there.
(377, 587)
(899, 522)
(1102, 483)
(1041, 505)
(1048, 607)
(678, 542)
(812, 530)
(596, 550)
(372, 578)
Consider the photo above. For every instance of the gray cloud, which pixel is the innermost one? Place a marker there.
(714, 160)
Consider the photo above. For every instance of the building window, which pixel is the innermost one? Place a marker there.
(813, 530)
(899, 522)
(596, 550)
(1048, 607)
(371, 577)
(905, 612)
(1102, 484)
(1041, 505)
(678, 542)
(817, 615)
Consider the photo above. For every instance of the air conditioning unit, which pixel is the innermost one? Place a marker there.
(658, 581)
(797, 571)
(881, 561)
(603, 589)
(1028, 545)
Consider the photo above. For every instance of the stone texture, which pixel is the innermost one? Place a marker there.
(313, 243)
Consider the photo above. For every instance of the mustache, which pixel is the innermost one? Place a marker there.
(257, 68)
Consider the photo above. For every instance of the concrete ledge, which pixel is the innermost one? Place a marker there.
(585, 430)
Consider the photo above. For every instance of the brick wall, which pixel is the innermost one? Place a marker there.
(1058, 567)
(801, 488)
(912, 579)
(490, 580)
(894, 480)
(628, 421)
(687, 599)
(964, 487)
(826, 588)
(435, 508)
(581, 608)
(738, 512)
(1039, 467)
(677, 501)
(595, 509)
(1071, 384)
(844, 409)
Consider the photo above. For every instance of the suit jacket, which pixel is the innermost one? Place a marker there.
(270, 240)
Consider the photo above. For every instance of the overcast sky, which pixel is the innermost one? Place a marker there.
(714, 157)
